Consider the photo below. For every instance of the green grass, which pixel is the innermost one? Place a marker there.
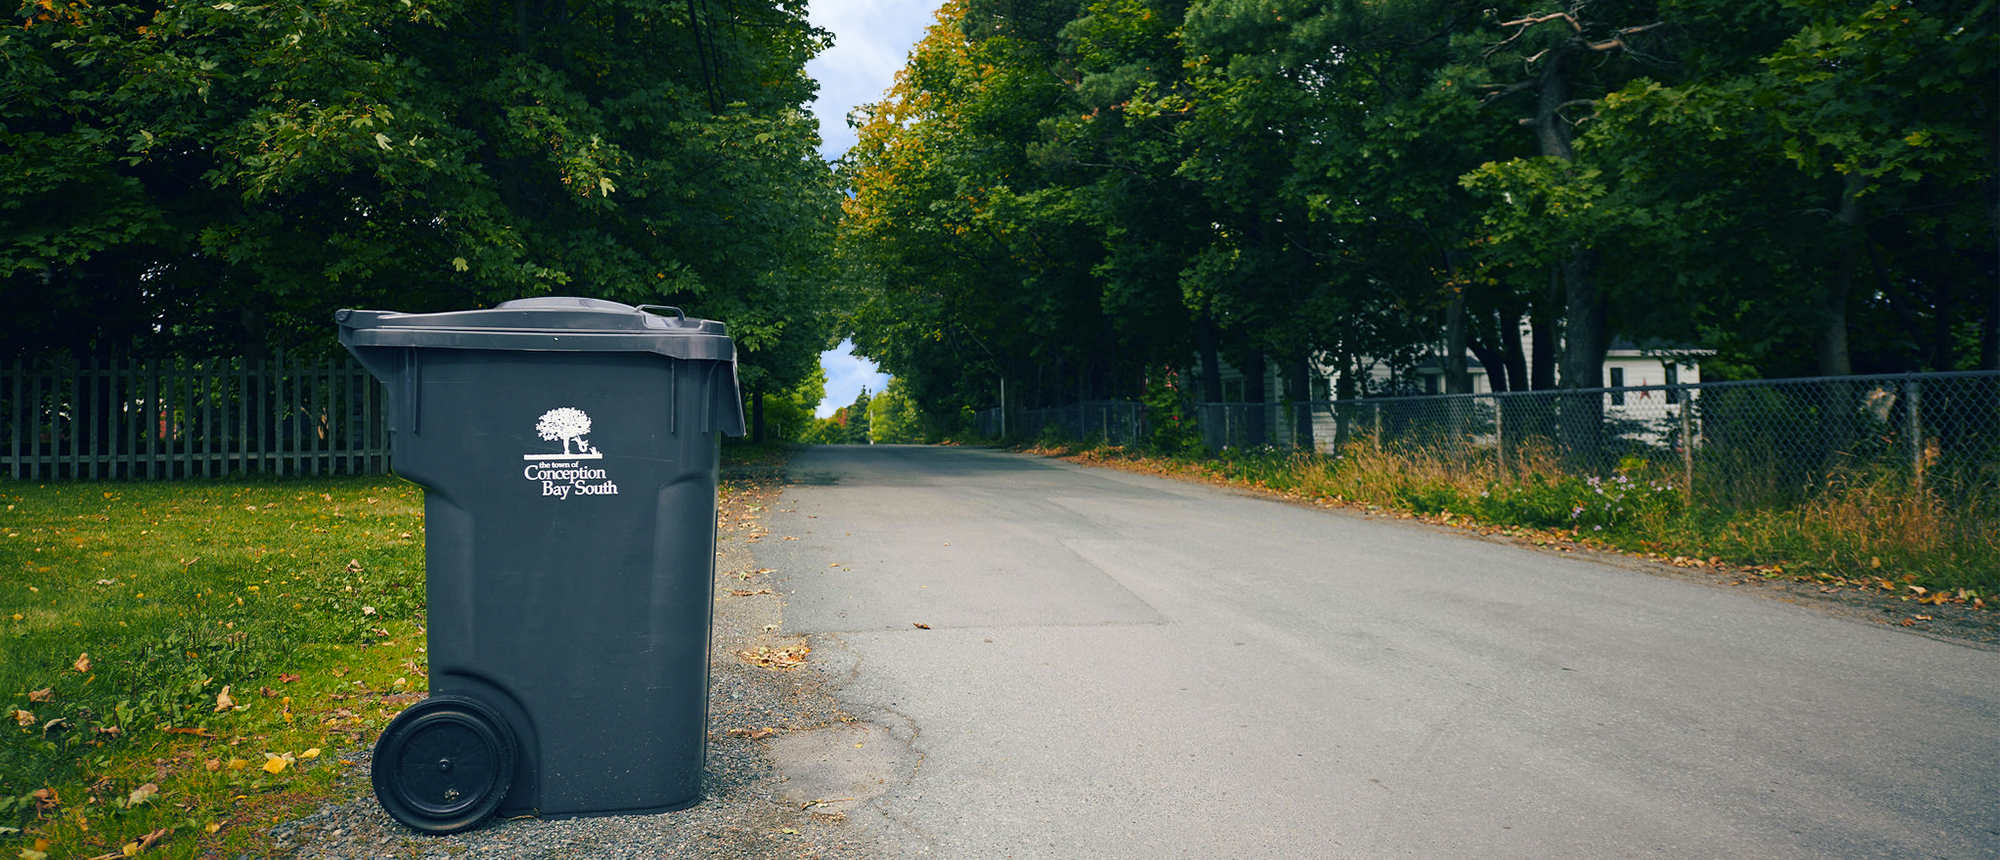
(302, 599)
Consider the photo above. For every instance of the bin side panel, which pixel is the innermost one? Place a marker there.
(572, 560)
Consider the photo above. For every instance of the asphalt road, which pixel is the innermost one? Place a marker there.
(1119, 666)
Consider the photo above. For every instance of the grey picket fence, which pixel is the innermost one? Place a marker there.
(103, 418)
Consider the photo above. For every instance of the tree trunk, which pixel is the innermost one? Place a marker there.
(1542, 329)
(1510, 344)
(1457, 376)
(1584, 344)
(1989, 337)
(1205, 337)
(1831, 302)
(757, 414)
(1255, 429)
(1301, 399)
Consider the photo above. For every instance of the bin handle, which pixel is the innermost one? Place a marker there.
(677, 311)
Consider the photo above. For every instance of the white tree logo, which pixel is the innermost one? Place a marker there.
(568, 425)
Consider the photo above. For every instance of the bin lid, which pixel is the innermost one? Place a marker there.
(547, 324)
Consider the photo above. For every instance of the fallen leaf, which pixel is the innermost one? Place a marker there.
(743, 592)
(213, 765)
(238, 764)
(753, 734)
(223, 702)
(287, 677)
(42, 695)
(182, 730)
(267, 692)
(353, 566)
(777, 658)
(141, 794)
(1923, 617)
(83, 663)
(275, 764)
(24, 718)
(368, 610)
(310, 754)
(1920, 590)
(46, 799)
(920, 625)
(213, 826)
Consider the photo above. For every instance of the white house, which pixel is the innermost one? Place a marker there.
(1644, 415)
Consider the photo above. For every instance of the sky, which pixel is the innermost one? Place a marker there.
(871, 41)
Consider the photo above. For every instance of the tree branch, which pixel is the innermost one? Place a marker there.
(1617, 39)
(1496, 92)
(1523, 25)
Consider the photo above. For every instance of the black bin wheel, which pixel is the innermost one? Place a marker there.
(444, 765)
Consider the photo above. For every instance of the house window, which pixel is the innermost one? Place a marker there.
(1617, 386)
(1673, 378)
(1430, 383)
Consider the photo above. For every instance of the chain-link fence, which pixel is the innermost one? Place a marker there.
(1738, 444)
(1117, 422)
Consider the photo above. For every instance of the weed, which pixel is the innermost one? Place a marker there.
(1860, 522)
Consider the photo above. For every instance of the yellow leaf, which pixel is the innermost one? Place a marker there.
(310, 754)
(32, 854)
(25, 718)
(222, 700)
(131, 849)
(274, 765)
(83, 662)
(460, 264)
(213, 826)
(238, 764)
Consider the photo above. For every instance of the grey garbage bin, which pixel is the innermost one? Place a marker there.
(568, 449)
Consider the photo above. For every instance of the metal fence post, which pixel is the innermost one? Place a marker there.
(1378, 426)
(1500, 434)
(1687, 451)
(1913, 397)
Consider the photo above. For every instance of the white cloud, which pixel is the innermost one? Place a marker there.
(871, 42)
(846, 373)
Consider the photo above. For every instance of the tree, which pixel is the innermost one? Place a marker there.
(857, 419)
(220, 177)
(569, 425)
(893, 417)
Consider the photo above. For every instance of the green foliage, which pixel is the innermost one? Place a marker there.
(202, 178)
(1169, 409)
(857, 424)
(1061, 195)
(893, 417)
(788, 417)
